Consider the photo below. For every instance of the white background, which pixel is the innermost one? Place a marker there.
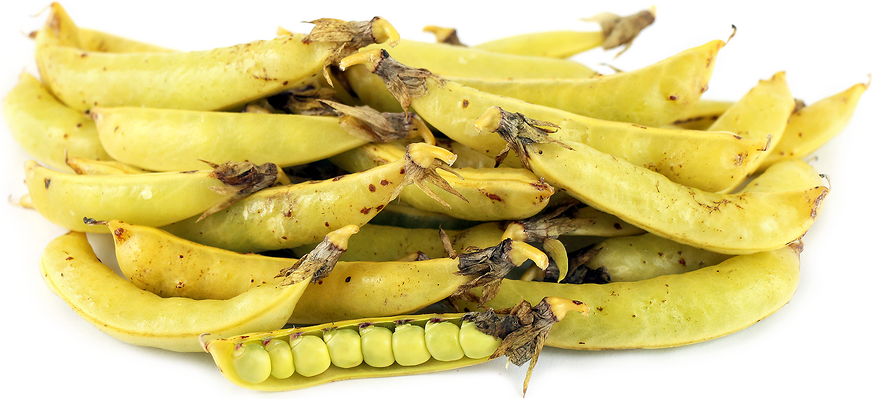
(817, 345)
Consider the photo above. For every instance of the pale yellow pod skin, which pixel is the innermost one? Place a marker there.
(103, 298)
(490, 193)
(47, 129)
(668, 311)
(653, 95)
(184, 80)
(451, 60)
(84, 166)
(169, 140)
(706, 161)
(761, 114)
(553, 44)
(152, 199)
(645, 256)
(290, 216)
(726, 223)
(811, 127)
(94, 40)
(702, 115)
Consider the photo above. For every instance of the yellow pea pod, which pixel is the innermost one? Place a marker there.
(614, 31)
(761, 114)
(646, 256)
(183, 80)
(103, 298)
(517, 334)
(380, 243)
(153, 199)
(811, 127)
(705, 161)
(167, 140)
(488, 194)
(168, 266)
(47, 129)
(290, 216)
(653, 95)
(672, 310)
(726, 223)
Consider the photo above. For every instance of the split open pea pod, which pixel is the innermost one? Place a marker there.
(387, 346)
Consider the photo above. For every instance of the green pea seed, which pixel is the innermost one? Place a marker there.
(476, 344)
(344, 347)
(443, 340)
(252, 362)
(281, 358)
(311, 356)
(375, 344)
(409, 346)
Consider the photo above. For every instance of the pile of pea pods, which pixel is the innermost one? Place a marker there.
(350, 204)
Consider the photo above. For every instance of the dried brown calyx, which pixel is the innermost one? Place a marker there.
(378, 127)
(403, 82)
(321, 260)
(580, 273)
(349, 37)
(240, 179)
(421, 167)
(489, 265)
(552, 223)
(621, 31)
(305, 100)
(518, 131)
(524, 328)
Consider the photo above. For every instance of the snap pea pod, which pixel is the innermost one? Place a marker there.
(302, 357)
(654, 95)
(168, 266)
(290, 216)
(487, 194)
(46, 129)
(706, 161)
(167, 140)
(645, 256)
(153, 199)
(184, 80)
(671, 310)
(379, 243)
(811, 127)
(726, 223)
(615, 31)
(761, 114)
(117, 307)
